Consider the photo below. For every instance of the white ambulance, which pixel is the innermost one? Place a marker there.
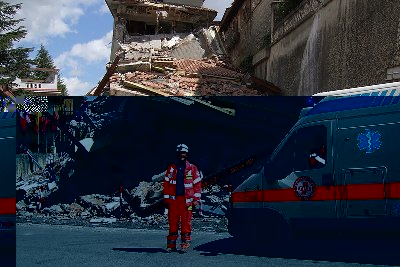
(338, 169)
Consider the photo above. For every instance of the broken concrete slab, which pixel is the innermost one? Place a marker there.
(21, 205)
(53, 209)
(134, 66)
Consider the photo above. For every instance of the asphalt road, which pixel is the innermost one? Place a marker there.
(49, 245)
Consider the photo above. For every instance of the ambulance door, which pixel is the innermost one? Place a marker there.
(363, 192)
(313, 171)
(361, 164)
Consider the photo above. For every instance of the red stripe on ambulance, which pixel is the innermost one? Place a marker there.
(323, 193)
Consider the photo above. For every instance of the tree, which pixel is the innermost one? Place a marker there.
(43, 59)
(61, 86)
(14, 61)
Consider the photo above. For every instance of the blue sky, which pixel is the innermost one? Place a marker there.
(77, 34)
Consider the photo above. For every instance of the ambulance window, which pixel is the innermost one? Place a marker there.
(311, 145)
(282, 164)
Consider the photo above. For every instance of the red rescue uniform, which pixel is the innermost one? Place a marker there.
(180, 207)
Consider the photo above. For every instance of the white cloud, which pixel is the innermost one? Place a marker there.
(104, 8)
(76, 87)
(93, 52)
(49, 18)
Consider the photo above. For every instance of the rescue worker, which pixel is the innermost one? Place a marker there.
(182, 192)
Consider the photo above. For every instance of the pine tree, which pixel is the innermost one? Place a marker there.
(43, 59)
(61, 86)
(14, 61)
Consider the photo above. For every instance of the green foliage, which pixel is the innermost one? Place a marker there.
(43, 60)
(14, 61)
(61, 86)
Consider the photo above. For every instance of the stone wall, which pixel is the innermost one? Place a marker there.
(344, 44)
(249, 31)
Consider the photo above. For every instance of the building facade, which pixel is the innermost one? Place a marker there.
(321, 45)
(139, 18)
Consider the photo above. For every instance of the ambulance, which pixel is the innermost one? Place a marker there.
(337, 170)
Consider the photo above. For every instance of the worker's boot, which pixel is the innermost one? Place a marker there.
(185, 242)
(171, 242)
(185, 247)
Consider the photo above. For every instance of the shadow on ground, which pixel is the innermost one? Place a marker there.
(146, 250)
(141, 250)
(378, 251)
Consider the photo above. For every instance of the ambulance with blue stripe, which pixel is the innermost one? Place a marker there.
(337, 170)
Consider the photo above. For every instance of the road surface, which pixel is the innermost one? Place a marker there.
(53, 245)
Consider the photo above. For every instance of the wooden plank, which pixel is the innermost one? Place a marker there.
(220, 77)
(106, 78)
(144, 89)
(224, 110)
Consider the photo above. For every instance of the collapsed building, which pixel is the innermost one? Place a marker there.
(171, 48)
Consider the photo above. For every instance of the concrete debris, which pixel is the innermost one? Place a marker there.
(53, 209)
(178, 65)
(52, 186)
(145, 191)
(75, 209)
(165, 43)
(159, 177)
(103, 220)
(21, 205)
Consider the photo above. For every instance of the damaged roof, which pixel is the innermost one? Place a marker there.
(114, 5)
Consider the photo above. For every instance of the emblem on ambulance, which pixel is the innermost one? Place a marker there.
(304, 187)
(369, 141)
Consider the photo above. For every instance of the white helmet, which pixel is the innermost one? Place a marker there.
(182, 148)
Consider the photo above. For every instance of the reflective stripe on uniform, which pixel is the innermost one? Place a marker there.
(166, 196)
(189, 185)
(197, 180)
(172, 197)
(189, 200)
(197, 194)
(172, 181)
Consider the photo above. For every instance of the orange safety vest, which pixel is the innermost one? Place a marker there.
(192, 182)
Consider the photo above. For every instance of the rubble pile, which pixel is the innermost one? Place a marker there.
(100, 205)
(96, 209)
(177, 65)
(147, 192)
